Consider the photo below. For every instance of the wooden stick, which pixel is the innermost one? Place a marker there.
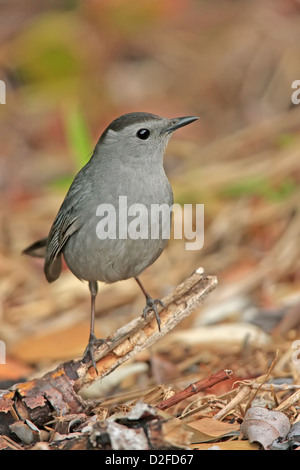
(141, 333)
(194, 388)
(57, 391)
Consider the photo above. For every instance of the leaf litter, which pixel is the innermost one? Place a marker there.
(247, 174)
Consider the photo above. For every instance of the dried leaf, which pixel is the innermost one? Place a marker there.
(124, 438)
(170, 433)
(292, 441)
(24, 432)
(219, 336)
(226, 445)
(264, 426)
(214, 428)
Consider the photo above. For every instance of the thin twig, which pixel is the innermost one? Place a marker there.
(195, 388)
(57, 392)
(141, 333)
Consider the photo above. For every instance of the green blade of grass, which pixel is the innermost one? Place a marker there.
(78, 136)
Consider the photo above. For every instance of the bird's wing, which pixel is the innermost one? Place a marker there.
(65, 224)
(69, 219)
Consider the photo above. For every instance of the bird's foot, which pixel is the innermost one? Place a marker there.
(88, 354)
(151, 306)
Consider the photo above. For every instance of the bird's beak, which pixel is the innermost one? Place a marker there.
(176, 123)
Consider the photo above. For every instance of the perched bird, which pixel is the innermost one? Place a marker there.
(126, 165)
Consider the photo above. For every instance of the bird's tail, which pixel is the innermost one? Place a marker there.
(37, 249)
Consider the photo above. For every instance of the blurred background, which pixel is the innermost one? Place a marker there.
(71, 67)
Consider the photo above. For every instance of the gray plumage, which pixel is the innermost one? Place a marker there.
(122, 164)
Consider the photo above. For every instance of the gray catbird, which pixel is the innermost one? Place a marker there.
(127, 162)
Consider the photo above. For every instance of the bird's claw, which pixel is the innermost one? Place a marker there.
(88, 354)
(151, 306)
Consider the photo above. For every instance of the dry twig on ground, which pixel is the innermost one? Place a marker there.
(57, 391)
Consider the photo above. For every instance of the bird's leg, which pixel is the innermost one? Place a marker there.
(151, 304)
(88, 353)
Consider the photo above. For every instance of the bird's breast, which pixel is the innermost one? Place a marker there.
(124, 233)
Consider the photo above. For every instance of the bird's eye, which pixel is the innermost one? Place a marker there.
(143, 134)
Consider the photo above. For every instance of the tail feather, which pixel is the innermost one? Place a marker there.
(37, 249)
(53, 268)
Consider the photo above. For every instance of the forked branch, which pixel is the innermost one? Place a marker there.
(58, 390)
